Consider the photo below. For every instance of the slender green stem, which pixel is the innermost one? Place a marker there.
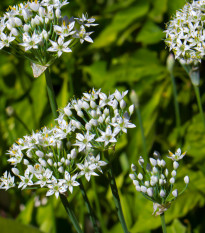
(116, 199)
(142, 131)
(97, 204)
(196, 89)
(163, 223)
(70, 213)
(51, 94)
(176, 105)
(89, 208)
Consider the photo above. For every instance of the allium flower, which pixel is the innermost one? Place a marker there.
(98, 123)
(185, 33)
(157, 183)
(36, 30)
(177, 156)
(41, 160)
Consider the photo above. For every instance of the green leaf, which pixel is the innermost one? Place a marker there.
(46, 218)
(13, 226)
(120, 22)
(150, 34)
(159, 8)
(176, 227)
(175, 5)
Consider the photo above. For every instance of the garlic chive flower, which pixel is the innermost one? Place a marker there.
(185, 33)
(41, 160)
(95, 121)
(156, 183)
(37, 31)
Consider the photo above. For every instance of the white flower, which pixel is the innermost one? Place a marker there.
(64, 30)
(84, 20)
(7, 181)
(26, 179)
(60, 46)
(44, 178)
(83, 35)
(55, 188)
(177, 156)
(87, 170)
(5, 40)
(83, 141)
(107, 137)
(69, 181)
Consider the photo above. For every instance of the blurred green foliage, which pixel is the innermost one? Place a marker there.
(128, 53)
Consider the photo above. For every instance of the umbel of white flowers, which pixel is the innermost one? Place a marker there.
(156, 182)
(185, 33)
(37, 30)
(56, 158)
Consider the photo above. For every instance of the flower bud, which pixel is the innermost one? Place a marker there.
(122, 104)
(150, 192)
(175, 165)
(141, 161)
(134, 98)
(60, 169)
(50, 162)
(85, 105)
(138, 188)
(14, 32)
(146, 183)
(133, 167)
(140, 176)
(18, 22)
(131, 109)
(80, 114)
(25, 162)
(153, 162)
(39, 153)
(172, 180)
(135, 182)
(92, 104)
(175, 193)
(132, 176)
(26, 27)
(58, 13)
(162, 193)
(186, 179)
(174, 173)
(143, 189)
(42, 11)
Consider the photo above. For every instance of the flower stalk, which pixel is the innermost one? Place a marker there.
(70, 213)
(89, 208)
(51, 94)
(117, 199)
(163, 223)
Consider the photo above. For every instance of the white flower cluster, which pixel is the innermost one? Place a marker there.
(156, 182)
(185, 34)
(37, 31)
(42, 160)
(96, 121)
(56, 158)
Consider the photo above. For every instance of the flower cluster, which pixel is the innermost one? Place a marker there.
(37, 31)
(96, 121)
(58, 157)
(156, 182)
(185, 33)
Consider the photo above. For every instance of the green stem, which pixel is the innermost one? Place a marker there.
(196, 89)
(142, 132)
(97, 204)
(117, 199)
(89, 208)
(51, 94)
(70, 213)
(176, 105)
(163, 223)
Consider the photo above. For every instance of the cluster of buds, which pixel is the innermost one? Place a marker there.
(36, 30)
(185, 33)
(156, 182)
(58, 157)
